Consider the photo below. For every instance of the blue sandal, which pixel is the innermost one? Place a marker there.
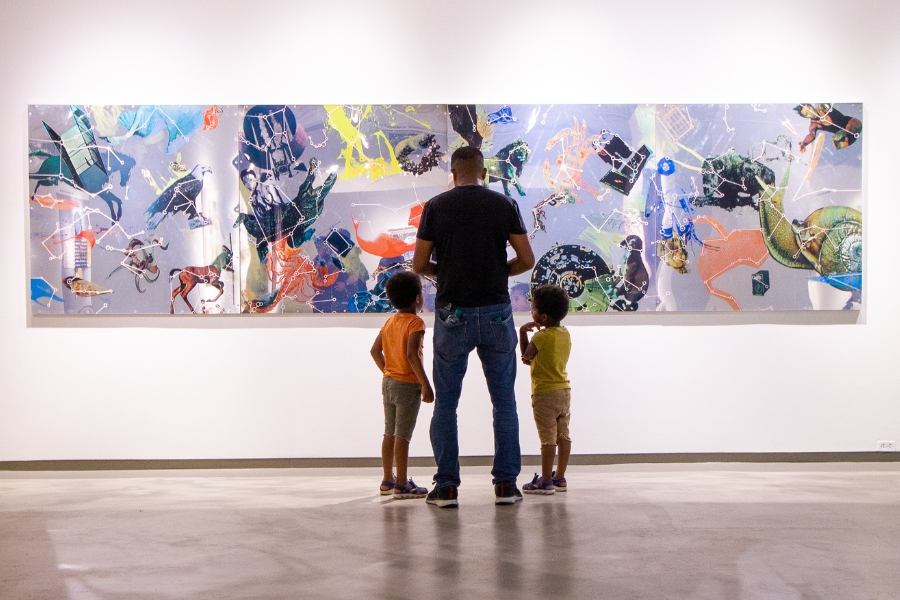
(539, 486)
(410, 490)
(559, 483)
(386, 484)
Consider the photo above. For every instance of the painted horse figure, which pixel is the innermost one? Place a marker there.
(189, 277)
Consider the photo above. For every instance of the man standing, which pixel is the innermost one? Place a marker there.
(467, 229)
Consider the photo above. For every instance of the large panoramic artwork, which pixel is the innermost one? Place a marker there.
(310, 209)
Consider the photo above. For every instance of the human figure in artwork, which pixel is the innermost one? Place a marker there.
(276, 218)
(466, 231)
(263, 196)
(824, 117)
(398, 353)
(518, 295)
(548, 353)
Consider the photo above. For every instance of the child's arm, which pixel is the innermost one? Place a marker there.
(414, 355)
(527, 349)
(377, 353)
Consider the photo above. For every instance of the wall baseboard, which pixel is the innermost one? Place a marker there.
(427, 461)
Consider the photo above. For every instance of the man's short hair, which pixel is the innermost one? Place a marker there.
(402, 288)
(551, 300)
(467, 159)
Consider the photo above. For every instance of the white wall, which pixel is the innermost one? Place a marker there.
(663, 383)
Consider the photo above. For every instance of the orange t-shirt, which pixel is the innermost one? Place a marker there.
(394, 337)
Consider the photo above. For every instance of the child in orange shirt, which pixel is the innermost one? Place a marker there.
(398, 353)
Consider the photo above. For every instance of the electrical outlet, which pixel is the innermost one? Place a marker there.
(887, 446)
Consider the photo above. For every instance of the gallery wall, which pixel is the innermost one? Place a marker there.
(291, 386)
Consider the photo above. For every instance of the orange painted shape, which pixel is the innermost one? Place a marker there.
(730, 250)
(55, 203)
(384, 245)
(211, 118)
(415, 214)
(88, 235)
(292, 272)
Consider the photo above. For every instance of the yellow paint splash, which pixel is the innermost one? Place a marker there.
(356, 163)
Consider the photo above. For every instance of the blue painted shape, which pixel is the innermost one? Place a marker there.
(504, 116)
(849, 282)
(665, 166)
(180, 123)
(41, 289)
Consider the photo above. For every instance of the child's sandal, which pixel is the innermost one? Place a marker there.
(558, 483)
(387, 488)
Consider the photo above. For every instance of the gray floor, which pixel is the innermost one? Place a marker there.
(725, 531)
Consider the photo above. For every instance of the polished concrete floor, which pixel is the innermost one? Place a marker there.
(725, 531)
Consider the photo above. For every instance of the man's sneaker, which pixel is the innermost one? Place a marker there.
(410, 490)
(507, 493)
(443, 497)
(539, 486)
(558, 482)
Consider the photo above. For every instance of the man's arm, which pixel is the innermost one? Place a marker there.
(524, 260)
(421, 262)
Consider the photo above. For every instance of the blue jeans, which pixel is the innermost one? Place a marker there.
(457, 332)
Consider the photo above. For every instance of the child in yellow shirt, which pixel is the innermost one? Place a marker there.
(548, 353)
(398, 353)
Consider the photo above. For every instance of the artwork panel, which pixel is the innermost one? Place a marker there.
(289, 208)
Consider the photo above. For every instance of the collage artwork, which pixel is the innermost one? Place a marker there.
(311, 208)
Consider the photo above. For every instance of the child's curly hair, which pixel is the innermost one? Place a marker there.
(551, 300)
(402, 289)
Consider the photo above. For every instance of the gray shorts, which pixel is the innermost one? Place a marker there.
(401, 407)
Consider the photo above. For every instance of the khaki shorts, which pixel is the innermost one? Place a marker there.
(551, 415)
(401, 407)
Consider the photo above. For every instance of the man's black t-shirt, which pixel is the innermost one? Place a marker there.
(469, 226)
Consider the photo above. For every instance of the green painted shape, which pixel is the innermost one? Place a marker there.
(778, 234)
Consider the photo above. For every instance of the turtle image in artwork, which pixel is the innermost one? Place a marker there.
(577, 270)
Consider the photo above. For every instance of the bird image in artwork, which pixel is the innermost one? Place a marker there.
(635, 278)
(181, 196)
(85, 289)
(40, 289)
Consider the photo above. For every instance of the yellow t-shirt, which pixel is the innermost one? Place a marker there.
(548, 367)
(394, 336)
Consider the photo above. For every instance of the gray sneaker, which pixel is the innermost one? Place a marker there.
(506, 492)
(443, 497)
